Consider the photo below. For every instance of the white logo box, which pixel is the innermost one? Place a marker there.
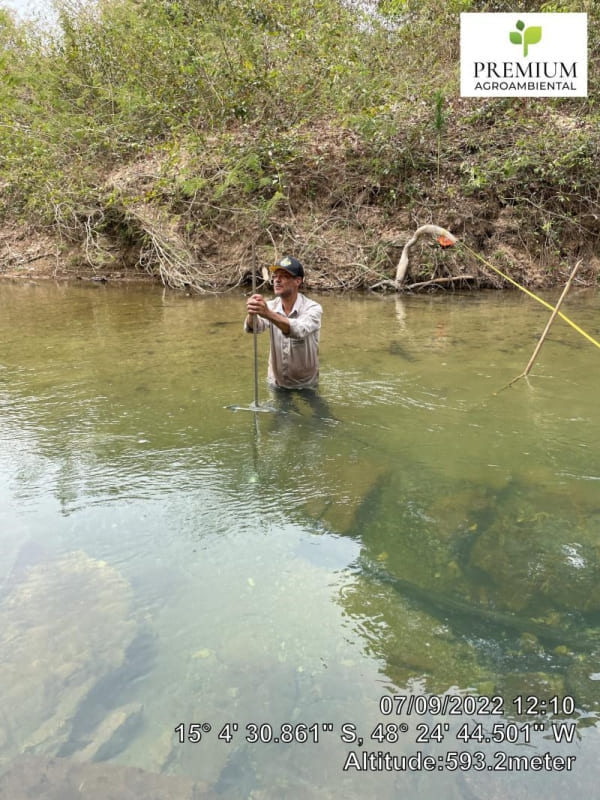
(555, 64)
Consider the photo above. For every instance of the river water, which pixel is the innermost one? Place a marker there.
(168, 563)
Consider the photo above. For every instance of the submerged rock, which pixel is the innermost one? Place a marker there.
(583, 683)
(63, 628)
(510, 580)
(60, 778)
(412, 643)
(540, 562)
(542, 685)
(113, 735)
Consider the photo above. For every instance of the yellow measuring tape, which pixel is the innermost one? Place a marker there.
(531, 294)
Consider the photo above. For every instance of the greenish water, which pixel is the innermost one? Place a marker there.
(165, 560)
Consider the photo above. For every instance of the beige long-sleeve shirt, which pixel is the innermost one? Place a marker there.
(293, 359)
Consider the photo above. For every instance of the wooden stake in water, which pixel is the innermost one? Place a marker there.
(538, 347)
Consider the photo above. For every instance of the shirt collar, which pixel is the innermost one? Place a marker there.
(295, 308)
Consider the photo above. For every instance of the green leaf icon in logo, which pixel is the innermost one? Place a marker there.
(531, 35)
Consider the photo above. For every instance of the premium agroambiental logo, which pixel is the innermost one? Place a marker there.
(523, 55)
(526, 36)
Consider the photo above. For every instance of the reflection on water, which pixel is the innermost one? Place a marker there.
(167, 563)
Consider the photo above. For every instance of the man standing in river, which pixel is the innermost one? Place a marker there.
(294, 323)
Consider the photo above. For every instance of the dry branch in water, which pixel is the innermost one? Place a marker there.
(402, 268)
(432, 230)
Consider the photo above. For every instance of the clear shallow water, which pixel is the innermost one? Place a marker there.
(166, 560)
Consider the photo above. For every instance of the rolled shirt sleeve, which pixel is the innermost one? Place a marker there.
(306, 323)
(261, 324)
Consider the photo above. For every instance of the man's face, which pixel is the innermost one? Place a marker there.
(284, 284)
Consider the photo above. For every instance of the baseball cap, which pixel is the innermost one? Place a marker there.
(291, 265)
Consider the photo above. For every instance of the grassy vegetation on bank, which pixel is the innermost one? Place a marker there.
(179, 136)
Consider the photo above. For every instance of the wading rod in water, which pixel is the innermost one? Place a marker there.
(254, 406)
(254, 331)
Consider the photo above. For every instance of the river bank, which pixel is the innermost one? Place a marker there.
(342, 199)
(30, 254)
(258, 130)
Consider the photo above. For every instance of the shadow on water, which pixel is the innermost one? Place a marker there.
(298, 401)
(396, 348)
(515, 593)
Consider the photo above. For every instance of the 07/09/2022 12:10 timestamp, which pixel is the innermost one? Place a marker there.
(467, 704)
